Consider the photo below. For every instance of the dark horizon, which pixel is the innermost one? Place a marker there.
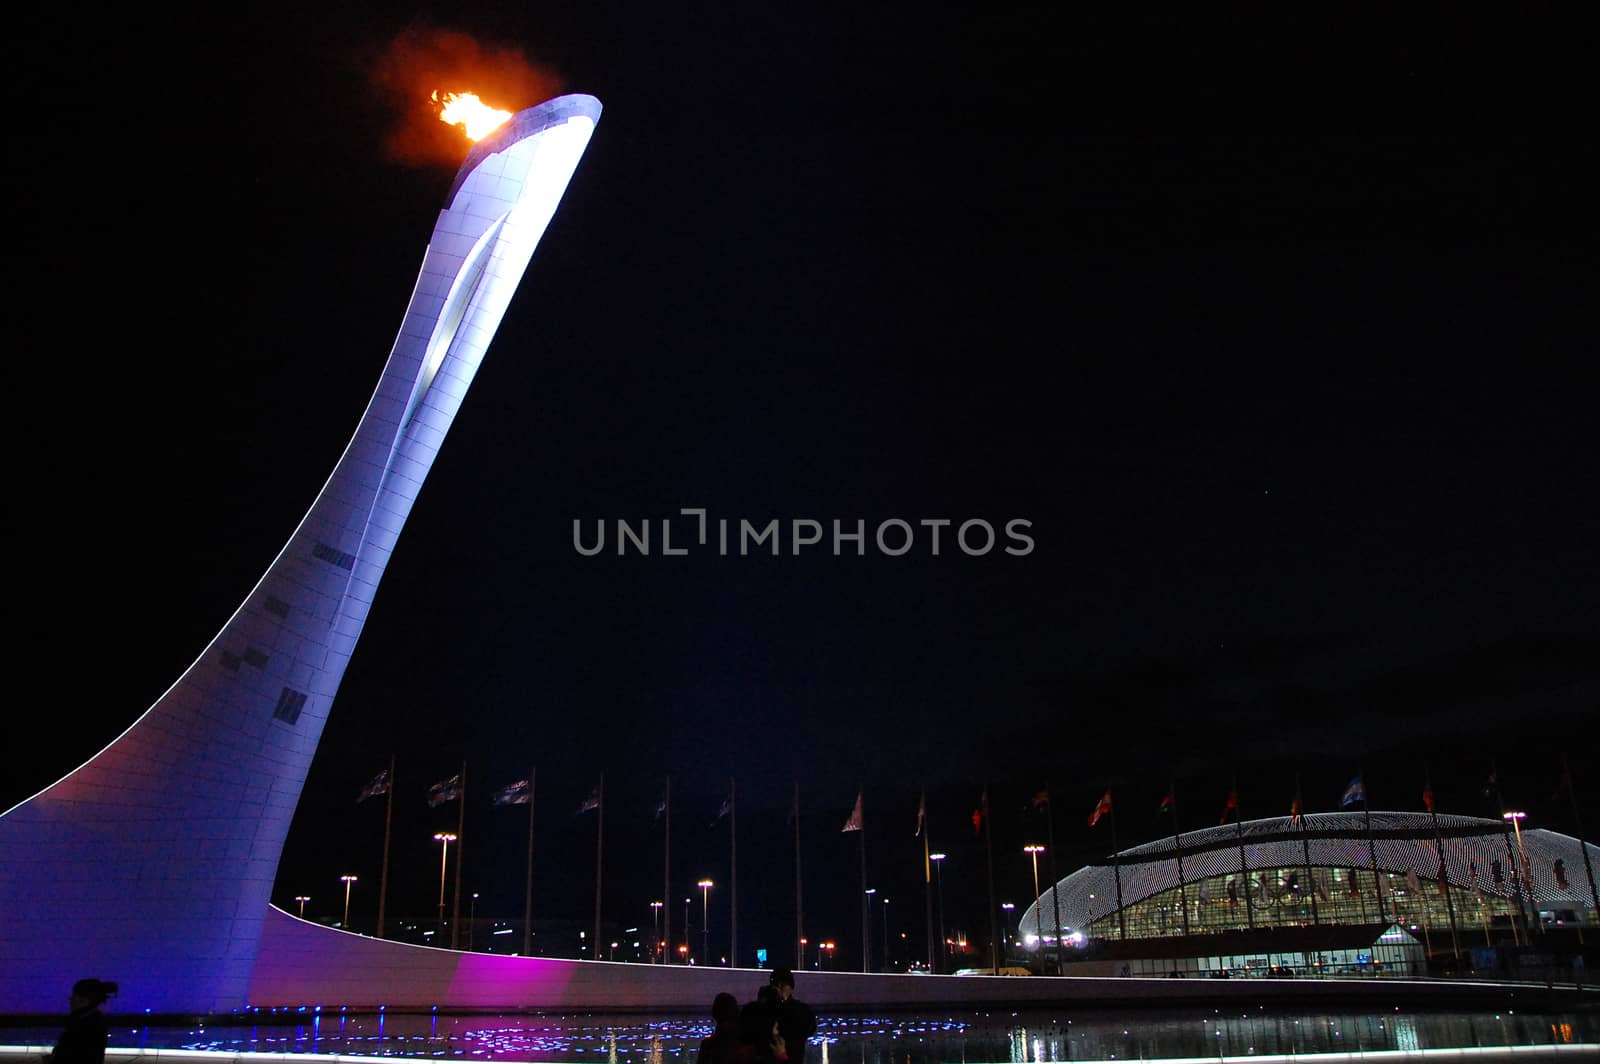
(1274, 330)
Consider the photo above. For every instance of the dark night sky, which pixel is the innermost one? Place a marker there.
(1275, 327)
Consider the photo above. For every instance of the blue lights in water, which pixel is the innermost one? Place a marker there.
(866, 1039)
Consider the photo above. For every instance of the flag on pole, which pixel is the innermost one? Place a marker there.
(1353, 794)
(1231, 805)
(661, 808)
(1166, 805)
(922, 814)
(1101, 808)
(512, 794)
(1041, 799)
(1427, 797)
(854, 821)
(379, 785)
(1294, 812)
(591, 802)
(445, 791)
(723, 810)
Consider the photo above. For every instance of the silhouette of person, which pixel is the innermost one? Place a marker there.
(758, 1022)
(83, 1038)
(725, 1045)
(796, 1020)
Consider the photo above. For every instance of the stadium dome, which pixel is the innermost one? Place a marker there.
(1463, 870)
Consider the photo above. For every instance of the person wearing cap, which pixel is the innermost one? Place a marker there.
(796, 1020)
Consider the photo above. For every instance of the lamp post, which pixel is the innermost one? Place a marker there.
(684, 951)
(1033, 850)
(302, 899)
(705, 886)
(472, 922)
(446, 838)
(886, 965)
(938, 877)
(1525, 886)
(866, 945)
(347, 881)
(655, 943)
(826, 948)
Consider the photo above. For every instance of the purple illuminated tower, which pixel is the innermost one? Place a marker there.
(152, 864)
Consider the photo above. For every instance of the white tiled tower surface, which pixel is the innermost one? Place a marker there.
(152, 864)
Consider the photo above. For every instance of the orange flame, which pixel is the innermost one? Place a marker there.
(464, 109)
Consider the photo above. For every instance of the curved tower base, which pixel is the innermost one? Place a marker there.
(152, 864)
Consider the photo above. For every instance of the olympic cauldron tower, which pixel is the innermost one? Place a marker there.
(152, 864)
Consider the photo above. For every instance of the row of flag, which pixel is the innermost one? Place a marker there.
(519, 792)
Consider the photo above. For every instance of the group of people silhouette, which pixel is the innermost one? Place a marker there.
(772, 1028)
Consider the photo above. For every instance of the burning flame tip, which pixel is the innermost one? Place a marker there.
(466, 110)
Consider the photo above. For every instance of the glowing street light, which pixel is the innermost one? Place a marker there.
(347, 881)
(655, 948)
(705, 886)
(1516, 818)
(938, 876)
(472, 921)
(302, 899)
(1034, 850)
(446, 838)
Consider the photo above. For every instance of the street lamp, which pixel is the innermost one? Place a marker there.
(684, 950)
(938, 876)
(655, 947)
(446, 838)
(1008, 908)
(1033, 850)
(705, 886)
(346, 880)
(827, 948)
(472, 922)
(1516, 818)
(302, 899)
(866, 923)
(886, 965)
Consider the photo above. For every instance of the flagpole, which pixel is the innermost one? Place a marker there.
(1372, 846)
(866, 938)
(461, 856)
(599, 851)
(1116, 870)
(799, 907)
(527, 898)
(1244, 869)
(1583, 847)
(388, 824)
(733, 877)
(927, 869)
(1511, 856)
(666, 874)
(1444, 876)
(988, 844)
(1055, 878)
(1177, 844)
(1305, 852)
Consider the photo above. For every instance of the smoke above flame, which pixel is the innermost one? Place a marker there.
(425, 72)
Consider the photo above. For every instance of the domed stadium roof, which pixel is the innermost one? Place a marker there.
(1403, 842)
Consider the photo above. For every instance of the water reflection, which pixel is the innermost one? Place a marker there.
(974, 1037)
